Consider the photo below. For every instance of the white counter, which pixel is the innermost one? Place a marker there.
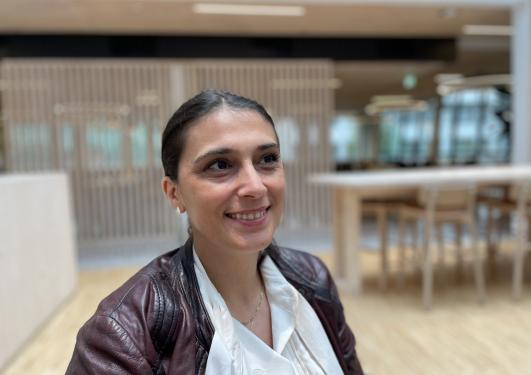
(37, 255)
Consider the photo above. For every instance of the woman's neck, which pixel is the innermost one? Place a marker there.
(235, 275)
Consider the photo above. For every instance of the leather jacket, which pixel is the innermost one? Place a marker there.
(156, 323)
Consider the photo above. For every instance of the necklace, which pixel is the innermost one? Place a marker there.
(249, 324)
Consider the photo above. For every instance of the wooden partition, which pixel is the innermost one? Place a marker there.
(101, 122)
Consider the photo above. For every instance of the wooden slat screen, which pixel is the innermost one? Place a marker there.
(101, 120)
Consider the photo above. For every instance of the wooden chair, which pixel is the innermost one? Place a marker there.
(488, 196)
(438, 205)
(380, 209)
(517, 203)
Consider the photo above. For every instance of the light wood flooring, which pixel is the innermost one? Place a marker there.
(395, 334)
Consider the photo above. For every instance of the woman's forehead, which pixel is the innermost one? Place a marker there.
(230, 127)
(225, 116)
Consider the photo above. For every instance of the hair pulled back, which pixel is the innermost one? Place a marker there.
(204, 103)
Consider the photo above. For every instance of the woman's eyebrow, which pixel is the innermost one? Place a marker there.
(214, 152)
(225, 150)
(266, 146)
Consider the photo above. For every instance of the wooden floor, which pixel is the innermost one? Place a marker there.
(395, 334)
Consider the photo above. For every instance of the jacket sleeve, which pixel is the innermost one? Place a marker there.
(104, 347)
(335, 315)
(346, 338)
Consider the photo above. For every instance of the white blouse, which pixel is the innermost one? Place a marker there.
(300, 344)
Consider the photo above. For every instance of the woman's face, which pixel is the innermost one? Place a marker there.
(231, 181)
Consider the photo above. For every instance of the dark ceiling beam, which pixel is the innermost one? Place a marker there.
(130, 46)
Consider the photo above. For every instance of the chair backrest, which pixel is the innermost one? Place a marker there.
(521, 190)
(457, 197)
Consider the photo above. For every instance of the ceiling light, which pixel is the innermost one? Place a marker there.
(390, 98)
(475, 82)
(250, 10)
(373, 109)
(446, 77)
(491, 30)
(382, 103)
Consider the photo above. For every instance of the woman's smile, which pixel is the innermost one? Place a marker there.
(250, 217)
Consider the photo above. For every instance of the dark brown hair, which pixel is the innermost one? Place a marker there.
(204, 103)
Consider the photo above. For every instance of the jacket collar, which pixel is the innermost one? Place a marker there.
(186, 278)
(304, 284)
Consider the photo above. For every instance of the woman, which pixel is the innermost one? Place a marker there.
(229, 301)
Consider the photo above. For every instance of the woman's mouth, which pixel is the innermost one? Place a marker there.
(251, 215)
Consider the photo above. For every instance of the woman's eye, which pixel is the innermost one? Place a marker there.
(270, 159)
(219, 165)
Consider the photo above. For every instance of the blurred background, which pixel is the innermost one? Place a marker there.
(86, 88)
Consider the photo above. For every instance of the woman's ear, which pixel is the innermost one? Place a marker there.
(170, 189)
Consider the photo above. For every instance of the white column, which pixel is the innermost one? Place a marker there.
(521, 70)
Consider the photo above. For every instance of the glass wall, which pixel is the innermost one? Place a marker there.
(473, 127)
(406, 137)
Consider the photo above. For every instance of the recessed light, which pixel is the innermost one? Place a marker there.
(250, 10)
(491, 30)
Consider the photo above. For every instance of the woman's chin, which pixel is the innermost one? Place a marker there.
(254, 243)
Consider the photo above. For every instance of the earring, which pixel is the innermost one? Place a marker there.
(178, 211)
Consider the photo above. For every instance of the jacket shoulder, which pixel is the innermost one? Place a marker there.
(140, 289)
(305, 269)
(307, 263)
(142, 311)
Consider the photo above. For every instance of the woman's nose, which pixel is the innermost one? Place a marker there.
(251, 184)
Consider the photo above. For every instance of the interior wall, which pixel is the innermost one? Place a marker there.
(37, 254)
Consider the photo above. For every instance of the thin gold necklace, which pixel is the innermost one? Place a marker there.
(250, 323)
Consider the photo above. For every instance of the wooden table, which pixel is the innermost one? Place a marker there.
(349, 188)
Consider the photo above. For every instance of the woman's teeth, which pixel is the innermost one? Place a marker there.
(248, 217)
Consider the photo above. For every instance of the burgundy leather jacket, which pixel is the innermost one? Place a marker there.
(156, 323)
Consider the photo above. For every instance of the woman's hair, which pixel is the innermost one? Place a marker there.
(204, 103)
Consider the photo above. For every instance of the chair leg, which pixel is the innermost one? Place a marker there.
(478, 264)
(440, 243)
(418, 254)
(518, 273)
(439, 234)
(491, 245)
(382, 228)
(519, 255)
(459, 250)
(427, 273)
(401, 249)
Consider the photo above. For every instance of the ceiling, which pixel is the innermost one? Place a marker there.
(359, 80)
(177, 17)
